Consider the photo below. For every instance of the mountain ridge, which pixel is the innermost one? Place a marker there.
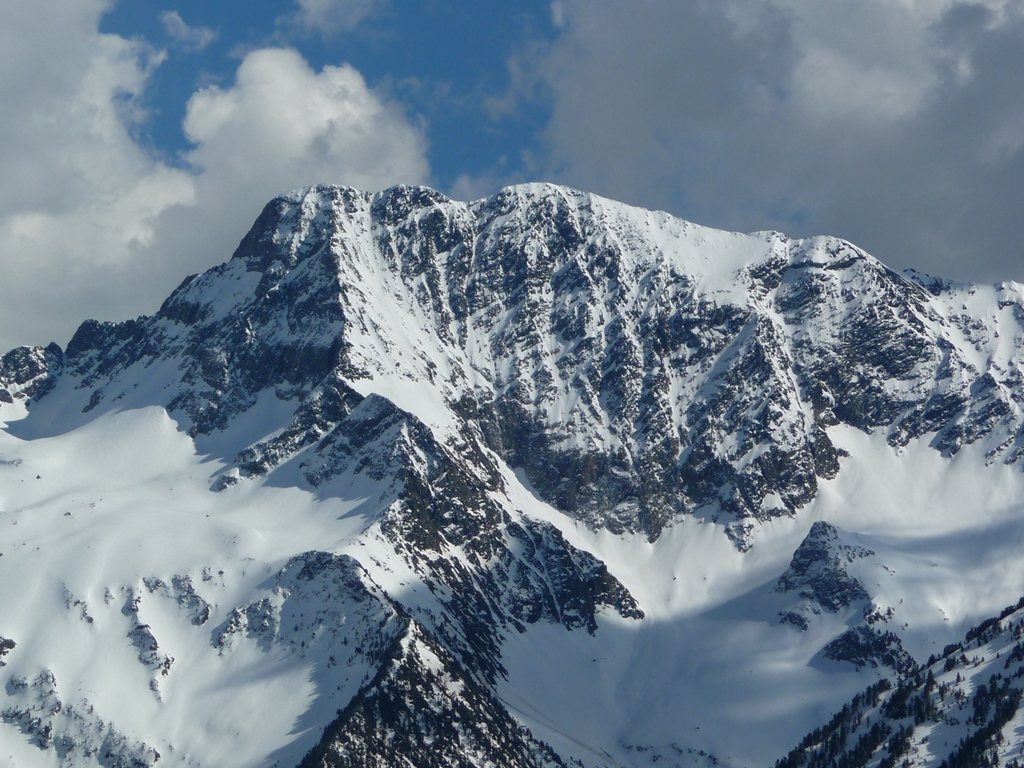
(539, 411)
(616, 360)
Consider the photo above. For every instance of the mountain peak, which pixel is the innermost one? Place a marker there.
(675, 370)
(403, 454)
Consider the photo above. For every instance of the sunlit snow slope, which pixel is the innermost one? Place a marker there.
(536, 480)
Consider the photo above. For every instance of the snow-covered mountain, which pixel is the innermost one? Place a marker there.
(536, 480)
(952, 710)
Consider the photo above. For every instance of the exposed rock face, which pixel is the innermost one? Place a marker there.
(320, 604)
(819, 575)
(512, 571)
(637, 367)
(141, 636)
(29, 372)
(6, 646)
(863, 646)
(818, 571)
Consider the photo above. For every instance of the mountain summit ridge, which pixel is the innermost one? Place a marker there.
(638, 367)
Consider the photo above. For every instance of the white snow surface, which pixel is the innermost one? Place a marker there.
(93, 512)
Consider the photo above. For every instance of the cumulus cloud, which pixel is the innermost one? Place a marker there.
(558, 13)
(77, 194)
(92, 225)
(898, 124)
(298, 124)
(189, 38)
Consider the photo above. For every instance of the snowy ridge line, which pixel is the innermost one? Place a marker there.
(603, 756)
(448, 718)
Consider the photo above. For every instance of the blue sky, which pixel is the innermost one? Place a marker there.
(139, 139)
(442, 60)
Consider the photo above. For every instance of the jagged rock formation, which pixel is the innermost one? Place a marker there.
(6, 646)
(820, 576)
(637, 367)
(864, 646)
(419, 361)
(29, 372)
(818, 570)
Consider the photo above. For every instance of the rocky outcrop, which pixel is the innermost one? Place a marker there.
(422, 710)
(142, 638)
(818, 572)
(71, 733)
(319, 604)
(866, 647)
(819, 576)
(28, 373)
(6, 646)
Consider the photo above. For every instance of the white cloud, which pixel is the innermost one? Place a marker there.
(77, 194)
(282, 123)
(281, 126)
(558, 14)
(870, 60)
(327, 16)
(834, 87)
(92, 225)
(190, 38)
